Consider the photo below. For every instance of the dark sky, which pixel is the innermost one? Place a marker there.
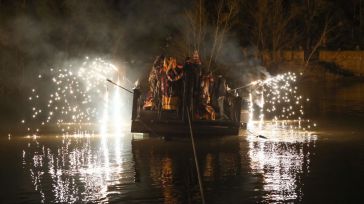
(93, 26)
(38, 34)
(133, 30)
(35, 35)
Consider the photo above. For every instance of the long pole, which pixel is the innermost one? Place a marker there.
(119, 85)
(247, 85)
(241, 87)
(195, 157)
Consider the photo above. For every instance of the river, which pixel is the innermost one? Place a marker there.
(323, 166)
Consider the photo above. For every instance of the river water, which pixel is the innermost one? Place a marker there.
(322, 166)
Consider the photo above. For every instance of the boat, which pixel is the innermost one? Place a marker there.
(174, 123)
(185, 99)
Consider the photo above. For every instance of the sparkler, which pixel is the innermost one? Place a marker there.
(74, 96)
(277, 103)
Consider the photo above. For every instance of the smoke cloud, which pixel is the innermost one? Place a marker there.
(37, 35)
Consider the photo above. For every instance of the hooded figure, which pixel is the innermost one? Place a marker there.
(170, 84)
(207, 111)
(221, 89)
(153, 97)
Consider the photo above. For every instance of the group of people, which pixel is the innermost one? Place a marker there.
(186, 87)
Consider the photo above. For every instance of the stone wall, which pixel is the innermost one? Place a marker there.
(348, 60)
(287, 55)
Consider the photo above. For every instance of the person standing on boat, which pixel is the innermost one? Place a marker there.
(221, 95)
(196, 78)
(192, 76)
(188, 84)
(153, 97)
(207, 111)
(170, 77)
(175, 76)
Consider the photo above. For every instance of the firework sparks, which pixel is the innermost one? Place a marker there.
(275, 102)
(74, 97)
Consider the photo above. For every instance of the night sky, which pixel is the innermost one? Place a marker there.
(36, 35)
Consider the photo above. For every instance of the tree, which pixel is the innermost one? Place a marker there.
(273, 28)
(224, 21)
(327, 29)
(208, 28)
(312, 11)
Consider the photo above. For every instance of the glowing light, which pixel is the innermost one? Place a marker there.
(279, 157)
(280, 160)
(90, 171)
(75, 95)
(277, 102)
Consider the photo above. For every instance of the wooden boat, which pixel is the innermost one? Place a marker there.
(171, 123)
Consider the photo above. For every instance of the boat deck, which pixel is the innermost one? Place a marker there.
(175, 123)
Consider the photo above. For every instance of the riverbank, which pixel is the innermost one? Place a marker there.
(319, 71)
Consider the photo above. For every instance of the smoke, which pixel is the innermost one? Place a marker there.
(131, 31)
(37, 35)
(243, 64)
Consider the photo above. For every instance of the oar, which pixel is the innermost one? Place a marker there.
(260, 136)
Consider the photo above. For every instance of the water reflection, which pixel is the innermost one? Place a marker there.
(106, 168)
(244, 169)
(335, 98)
(344, 99)
(282, 160)
(79, 169)
(169, 167)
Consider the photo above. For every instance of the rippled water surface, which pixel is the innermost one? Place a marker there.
(322, 166)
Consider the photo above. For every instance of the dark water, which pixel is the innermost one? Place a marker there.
(325, 166)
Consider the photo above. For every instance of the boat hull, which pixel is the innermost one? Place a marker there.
(173, 128)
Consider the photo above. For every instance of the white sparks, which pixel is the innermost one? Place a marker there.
(75, 94)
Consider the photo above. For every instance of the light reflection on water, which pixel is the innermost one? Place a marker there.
(104, 168)
(288, 166)
(282, 159)
(78, 170)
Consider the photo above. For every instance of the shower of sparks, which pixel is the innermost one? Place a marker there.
(74, 98)
(276, 103)
(276, 111)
